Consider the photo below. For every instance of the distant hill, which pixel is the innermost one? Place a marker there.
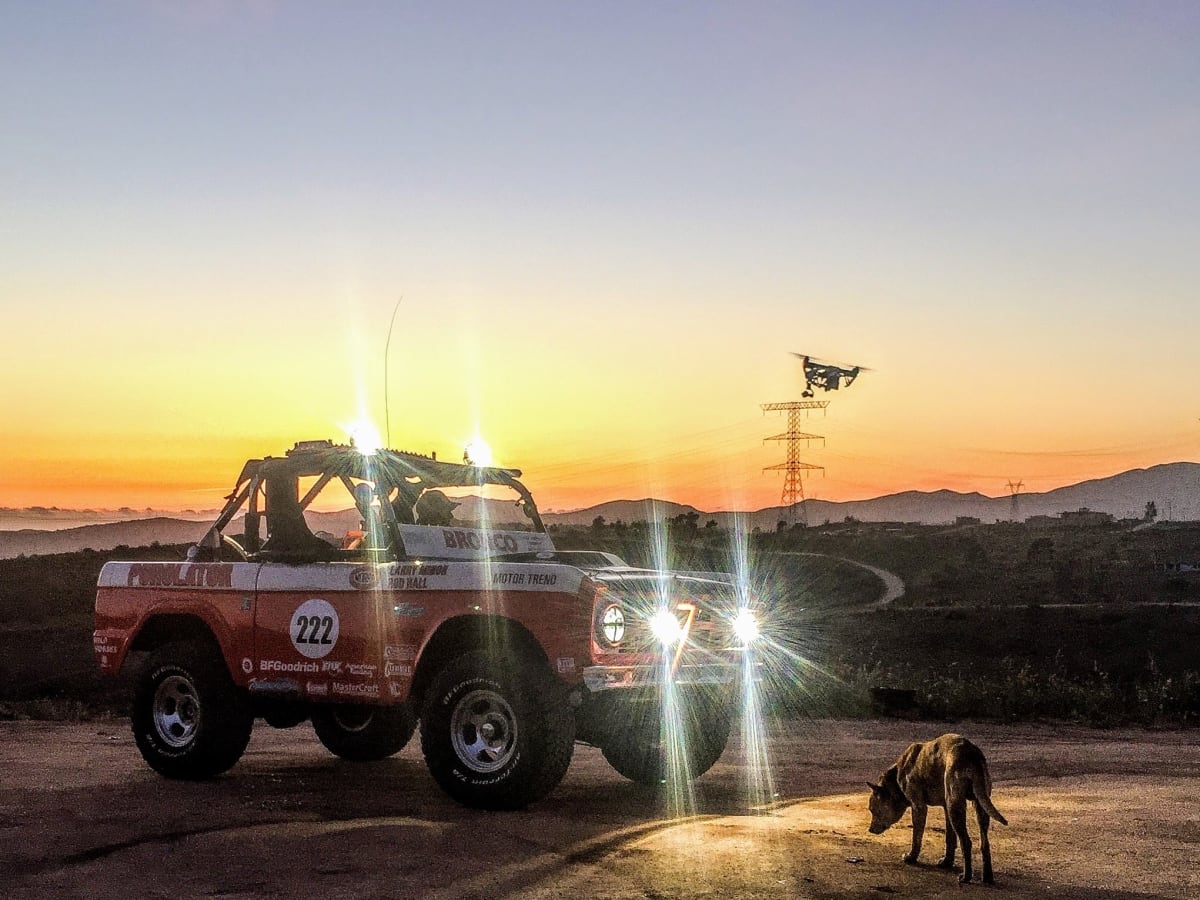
(1173, 487)
(137, 533)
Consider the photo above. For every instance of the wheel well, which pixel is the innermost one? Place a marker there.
(159, 630)
(507, 639)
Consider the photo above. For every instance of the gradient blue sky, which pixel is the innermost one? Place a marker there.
(610, 224)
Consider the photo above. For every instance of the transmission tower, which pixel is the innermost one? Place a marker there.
(793, 470)
(1015, 509)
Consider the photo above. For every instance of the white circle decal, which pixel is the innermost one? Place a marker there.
(314, 628)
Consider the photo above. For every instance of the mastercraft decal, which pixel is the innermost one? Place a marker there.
(314, 628)
(356, 690)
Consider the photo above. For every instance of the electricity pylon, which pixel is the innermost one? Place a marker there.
(1015, 512)
(793, 470)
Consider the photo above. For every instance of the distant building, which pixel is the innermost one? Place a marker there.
(1086, 516)
(1043, 521)
(1181, 567)
(1079, 518)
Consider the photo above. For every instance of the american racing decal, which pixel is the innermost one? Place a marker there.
(314, 628)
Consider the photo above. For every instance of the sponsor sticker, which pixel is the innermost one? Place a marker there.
(364, 578)
(361, 670)
(395, 690)
(408, 610)
(370, 689)
(247, 665)
(278, 665)
(332, 666)
(566, 664)
(316, 688)
(104, 645)
(396, 670)
(399, 652)
(314, 628)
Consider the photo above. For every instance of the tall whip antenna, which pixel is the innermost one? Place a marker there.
(387, 413)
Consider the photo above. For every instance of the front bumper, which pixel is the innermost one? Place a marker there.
(624, 677)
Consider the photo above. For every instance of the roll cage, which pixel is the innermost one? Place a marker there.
(385, 485)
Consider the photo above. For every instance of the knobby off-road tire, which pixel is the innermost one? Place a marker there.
(496, 735)
(364, 733)
(189, 720)
(642, 753)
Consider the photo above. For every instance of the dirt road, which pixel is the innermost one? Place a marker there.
(1094, 814)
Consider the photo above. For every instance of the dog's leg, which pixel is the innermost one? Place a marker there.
(958, 821)
(947, 861)
(985, 847)
(918, 821)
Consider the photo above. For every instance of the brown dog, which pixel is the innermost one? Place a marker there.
(946, 772)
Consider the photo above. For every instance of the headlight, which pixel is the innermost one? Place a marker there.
(612, 624)
(665, 626)
(745, 626)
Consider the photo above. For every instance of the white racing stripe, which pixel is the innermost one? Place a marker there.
(179, 576)
(421, 576)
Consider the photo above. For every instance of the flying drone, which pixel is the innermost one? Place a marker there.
(826, 375)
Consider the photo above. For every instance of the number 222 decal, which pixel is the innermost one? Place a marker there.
(314, 628)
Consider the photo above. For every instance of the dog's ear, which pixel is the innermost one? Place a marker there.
(875, 788)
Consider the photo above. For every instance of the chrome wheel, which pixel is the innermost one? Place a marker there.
(176, 711)
(483, 731)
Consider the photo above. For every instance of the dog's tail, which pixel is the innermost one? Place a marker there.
(984, 799)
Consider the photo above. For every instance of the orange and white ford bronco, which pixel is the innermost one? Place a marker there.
(430, 598)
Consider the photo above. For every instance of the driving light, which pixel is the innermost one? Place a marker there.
(745, 626)
(612, 624)
(665, 626)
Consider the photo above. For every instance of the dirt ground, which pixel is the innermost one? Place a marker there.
(1112, 814)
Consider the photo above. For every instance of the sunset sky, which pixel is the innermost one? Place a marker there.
(610, 224)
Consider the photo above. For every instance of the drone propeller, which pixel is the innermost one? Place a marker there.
(821, 362)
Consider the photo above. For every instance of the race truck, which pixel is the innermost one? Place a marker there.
(372, 592)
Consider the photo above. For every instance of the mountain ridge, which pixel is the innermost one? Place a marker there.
(1174, 488)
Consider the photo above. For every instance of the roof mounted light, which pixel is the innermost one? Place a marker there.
(478, 453)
